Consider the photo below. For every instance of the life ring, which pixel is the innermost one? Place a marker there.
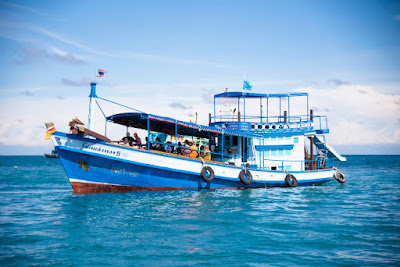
(246, 177)
(290, 180)
(207, 173)
(340, 176)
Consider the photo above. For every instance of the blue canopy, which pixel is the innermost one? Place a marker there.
(256, 95)
(167, 125)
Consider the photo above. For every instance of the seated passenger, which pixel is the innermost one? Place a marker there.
(137, 140)
(158, 146)
(202, 152)
(179, 149)
(186, 150)
(193, 152)
(127, 139)
(207, 153)
(145, 146)
(169, 149)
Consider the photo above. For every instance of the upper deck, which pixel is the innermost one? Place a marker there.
(266, 123)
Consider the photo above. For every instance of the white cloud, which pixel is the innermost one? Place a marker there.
(357, 114)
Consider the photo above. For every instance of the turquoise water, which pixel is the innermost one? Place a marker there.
(43, 223)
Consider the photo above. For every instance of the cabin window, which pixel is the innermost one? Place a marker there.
(234, 140)
(228, 140)
(273, 168)
(281, 152)
(288, 138)
(267, 153)
(288, 168)
(288, 152)
(296, 140)
(280, 168)
(273, 153)
(280, 138)
(273, 138)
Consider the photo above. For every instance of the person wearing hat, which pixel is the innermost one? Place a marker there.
(137, 141)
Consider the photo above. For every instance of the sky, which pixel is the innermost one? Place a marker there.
(170, 57)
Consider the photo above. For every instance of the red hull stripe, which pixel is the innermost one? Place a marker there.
(87, 188)
(96, 188)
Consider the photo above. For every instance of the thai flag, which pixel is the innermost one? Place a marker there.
(101, 73)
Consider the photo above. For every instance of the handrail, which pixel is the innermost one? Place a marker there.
(175, 145)
(321, 163)
(319, 122)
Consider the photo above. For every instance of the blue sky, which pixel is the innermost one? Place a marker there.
(346, 54)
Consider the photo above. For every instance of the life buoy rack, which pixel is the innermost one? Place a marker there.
(340, 176)
(245, 176)
(291, 180)
(207, 173)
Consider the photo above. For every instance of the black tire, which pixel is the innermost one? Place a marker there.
(246, 177)
(340, 176)
(290, 180)
(207, 173)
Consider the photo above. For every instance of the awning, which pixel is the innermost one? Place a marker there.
(167, 125)
(256, 95)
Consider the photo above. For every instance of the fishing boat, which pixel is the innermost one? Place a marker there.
(247, 151)
(52, 155)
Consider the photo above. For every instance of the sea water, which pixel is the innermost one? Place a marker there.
(357, 223)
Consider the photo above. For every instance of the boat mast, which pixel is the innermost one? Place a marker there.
(92, 105)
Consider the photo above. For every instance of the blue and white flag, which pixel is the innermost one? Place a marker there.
(246, 85)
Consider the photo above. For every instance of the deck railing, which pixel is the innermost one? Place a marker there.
(317, 164)
(271, 123)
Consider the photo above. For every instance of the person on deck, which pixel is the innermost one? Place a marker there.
(186, 150)
(207, 153)
(145, 145)
(127, 139)
(169, 149)
(158, 146)
(179, 149)
(193, 152)
(202, 152)
(137, 140)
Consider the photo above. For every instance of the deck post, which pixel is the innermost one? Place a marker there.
(285, 116)
(243, 148)
(312, 163)
(215, 114)
(222, 147)
(92, 106)
(261, 110)
(148, 132)
(176, 131)
(244, 108)
(288, 107)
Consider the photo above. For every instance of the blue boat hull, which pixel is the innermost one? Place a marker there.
(95, 173)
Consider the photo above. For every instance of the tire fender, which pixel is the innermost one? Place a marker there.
(246, 177)
(207, 173)
(291, 180)
(340, 176)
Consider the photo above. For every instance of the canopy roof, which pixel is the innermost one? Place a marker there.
(167, 125)
(255, 95)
